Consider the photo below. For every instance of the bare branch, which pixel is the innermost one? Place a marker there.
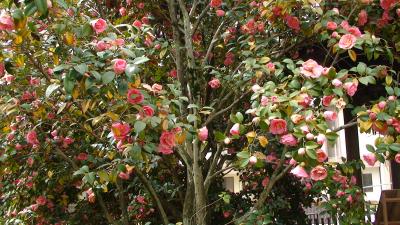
(213, 41)
(153, 195)
(202, 14)
(345, 126)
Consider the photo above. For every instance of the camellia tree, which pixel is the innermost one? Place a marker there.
(119, 112)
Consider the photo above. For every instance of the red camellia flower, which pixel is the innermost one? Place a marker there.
(167, 142)
(362, 18)
(331, 25)
(120, 130)
(321, 155)
(318, 173)
(137, 24)
(216, 3)
(387, 4)
(119, 66)
(99, 25)
(148, 110)
(277, 126)
(135, 96)
(293, 22)
(397, 158)
(173, 73)
(41, 200)
(326, 100)
(123, 176)
(82, 156)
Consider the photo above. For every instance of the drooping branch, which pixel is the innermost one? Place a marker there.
(153, 195)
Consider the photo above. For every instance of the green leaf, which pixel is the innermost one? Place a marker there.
(62, 3)
(219, 136)
(69, 82)
(131, 70)
(395, 147)
(86, 30)
(361, 68)
(311, 153)
(41, 6)
(367, 80)
(389, 90)
(107, 77)
(243, 154)
(140, 60)
(370, 148)
(81, 68)
(30, 9)
(139, 126)
(18, 14)
(50, 89)
(103, 175)
(239, 116)
(82, 170)
(311, 145)
(191, 118)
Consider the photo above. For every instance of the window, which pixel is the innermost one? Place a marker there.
(367, 182)
(229, 184)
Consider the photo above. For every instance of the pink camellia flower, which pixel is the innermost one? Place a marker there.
(148, 110)
(102, 46)
(120, 130)
(398, 12)
(345, 24)
(203, 134)
(99, 25)
(264, 100)
(299, 172)
(278, 126)
(235, 129)
(310, 136)
(123, 176)
(214, 83)
(68, 140)
(293, 22)
(91, 197)
(301, 151)
(337, 83)
(165, 150)
(30, 161)
(318, 173)
(140, 5)
(321, 139)
(381, 105)
(350, 87)
(31, 138)
(145, 20)
(331, 25)
(135, 96)
(220, 13)
(340, 193)
(362, 18)
(6, 22)
(321, 155)
(9, 78)
(255, 88)
(347, 41)
(336, 11)
(271, 67)
(310, 68)
(330, 115)
(349, 199)
(156, 88)
(335, 35)
(34, 81)
(119, 42)
(122, 11)
(370, 158)
(167, 139)
(304, 129)
(397, 158)
(119, 66)
(82, 156)
(304, 100)
(392, 98)
(141, 199)
(41, 200)
(216, 3)
(137, 23)
(354, 31)
(326, 100)
(292, 162)
(289, 140)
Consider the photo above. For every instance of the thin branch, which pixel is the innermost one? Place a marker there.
(65, 157)
(209, 179)
(104, 208)
(213, 41)
(153, 195)
(345, 126)
(194, 6)
(202, 14)
(215, 115)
